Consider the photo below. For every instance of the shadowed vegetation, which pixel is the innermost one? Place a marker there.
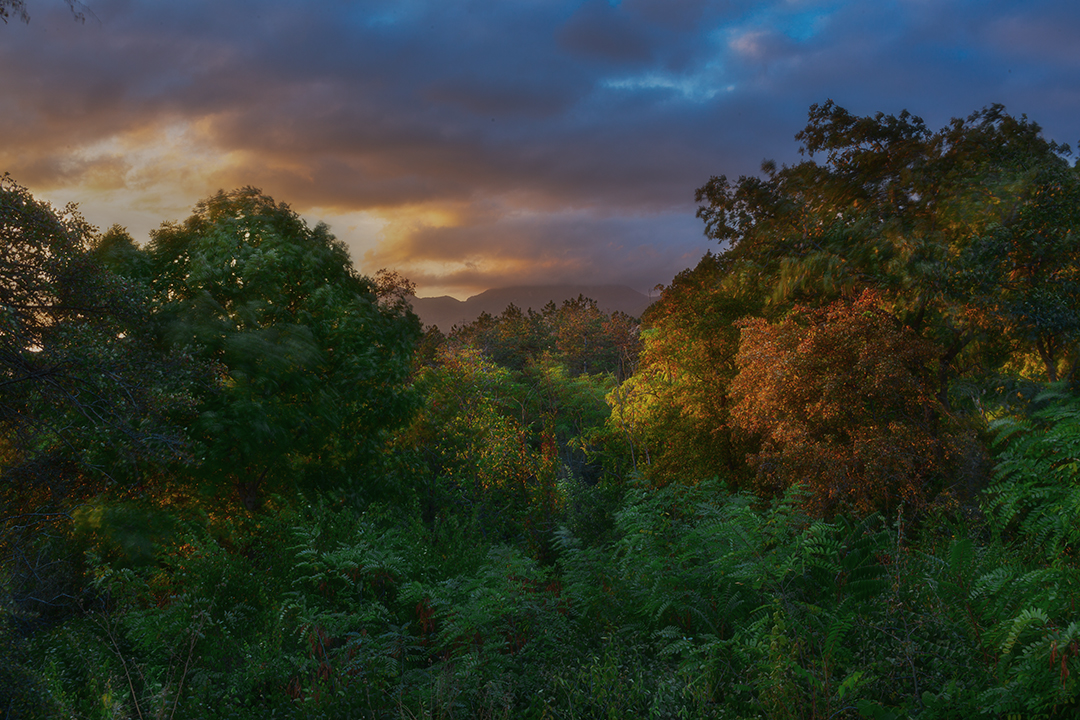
(831, 473)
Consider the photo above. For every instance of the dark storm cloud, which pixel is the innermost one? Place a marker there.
(597, 29)
(490, 135)
(938, 59)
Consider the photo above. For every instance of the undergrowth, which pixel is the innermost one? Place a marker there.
(680, 602)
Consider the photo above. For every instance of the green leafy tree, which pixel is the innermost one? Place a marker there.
(311, 365)
(87, 408)
(78, 388)
(570, 409)
(672, 414)
(588, 340)
(910, 213)
(476, 453)
(968, 236)
(511, 339)
(1025, 274)
(577, 334)
(563, 360)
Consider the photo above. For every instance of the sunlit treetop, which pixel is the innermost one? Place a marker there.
(913, 214)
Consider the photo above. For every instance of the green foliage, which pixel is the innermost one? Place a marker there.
(968, 238)
(956, 227)
(559, 535)
(502, 447)
(311, 365)
(82, 394)
(701, 604)
(671, 417)
(86, 405)
(562, 361)
(1036, 490)
(21, 692)
(576, 334)
(476, 454)
(717, 584)
(1032, 505)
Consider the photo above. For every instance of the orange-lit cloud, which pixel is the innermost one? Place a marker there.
(472, 145)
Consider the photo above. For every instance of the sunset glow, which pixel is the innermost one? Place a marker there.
(478, 145)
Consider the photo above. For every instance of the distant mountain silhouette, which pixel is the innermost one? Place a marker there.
(445, 312)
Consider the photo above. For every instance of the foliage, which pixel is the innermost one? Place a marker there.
(704, 604)
(1035, 496)
(311, 365)
(843, 400)
(80, 392)
(716, 583)
(508, 424)
(906, 211)
(672, 415)
(576, 334)
(566, 526)
(475, 451)
(87, 406)
(967, 236)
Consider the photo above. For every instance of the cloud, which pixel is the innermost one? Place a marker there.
(501, 247)
(500, 96)
(683, 15)
(598, 29)
(479, 142)
(1049, 41)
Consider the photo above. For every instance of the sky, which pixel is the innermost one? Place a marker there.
(473, 145)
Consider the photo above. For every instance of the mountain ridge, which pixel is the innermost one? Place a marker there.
(444, 312)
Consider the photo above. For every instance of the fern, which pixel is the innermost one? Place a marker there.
(1036, 490)
(1019, 624)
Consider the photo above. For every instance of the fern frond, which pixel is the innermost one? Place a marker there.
(1021, 623)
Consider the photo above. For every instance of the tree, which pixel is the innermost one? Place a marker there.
(906, 211)
(577, 334)
(312, 367)
(1025, 275)
(578, 329)
(476, 449)
(512, 339)
(843, 400)
(78, 387)
(393, 289)
(564, 360)
(18, 8)
(88, 407)
(672, 414)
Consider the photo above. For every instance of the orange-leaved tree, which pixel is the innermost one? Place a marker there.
(843, 400)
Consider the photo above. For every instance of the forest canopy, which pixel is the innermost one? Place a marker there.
(830, 473)
(966, 238)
